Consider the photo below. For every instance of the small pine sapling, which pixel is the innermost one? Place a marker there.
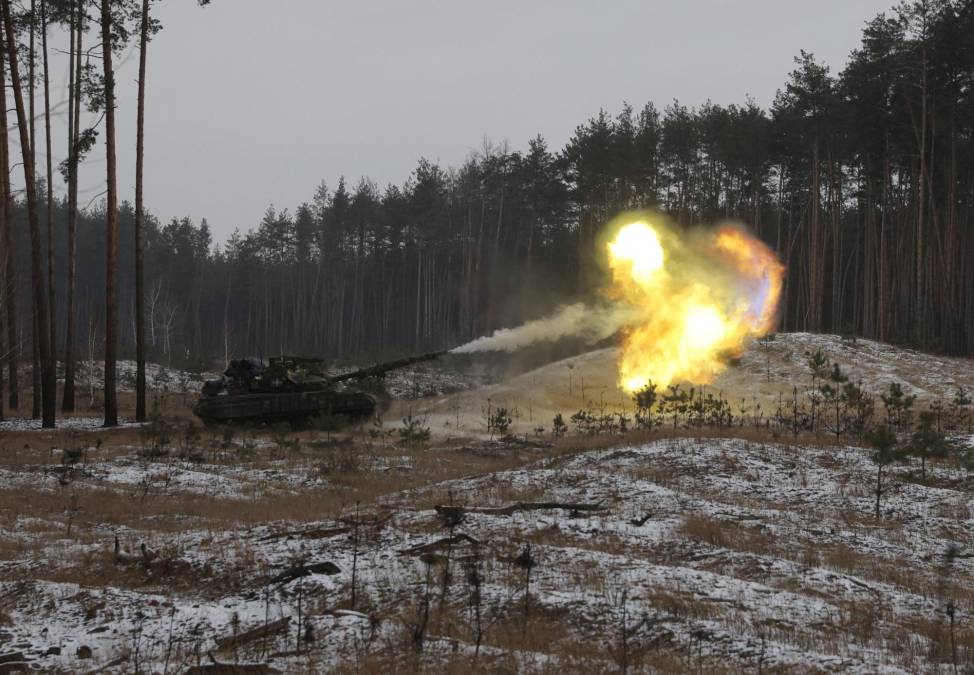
(558, 426)
(884, 442)
(858, 408)
(766, 348)
(962, 407)
(527, 562)
(585, 422)
(645, 399)
(413, 431)
(927, 441)
(818, 363)
(500, 421)
(899, 406)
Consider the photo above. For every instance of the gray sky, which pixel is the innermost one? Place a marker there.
(250, 105)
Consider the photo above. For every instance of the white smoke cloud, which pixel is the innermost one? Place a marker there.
(590, 323)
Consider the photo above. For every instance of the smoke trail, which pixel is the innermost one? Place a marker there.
(590, 323)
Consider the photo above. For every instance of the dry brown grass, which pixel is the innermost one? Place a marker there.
(812, 553)
(729, 535)
(577, 444)
(568, 645)
(707, 530)
(573, 644)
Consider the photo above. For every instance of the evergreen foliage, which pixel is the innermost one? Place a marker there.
(862, 181)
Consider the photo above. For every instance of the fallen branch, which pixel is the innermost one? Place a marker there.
(317, 533)
(232, 669)
(299, 571)
(111, 664)
(376, 522)
(439, 544)
(346, 612)
(253, 634)
(573, 508)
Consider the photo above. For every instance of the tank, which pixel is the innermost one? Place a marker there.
(291, 389)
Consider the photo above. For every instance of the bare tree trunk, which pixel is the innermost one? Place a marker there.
(139, 225)
(40, 296)
(35, 372)
(3, 268)
(74, 132)
(919, 314)
(35, 347)
(10, 280)
(50, 185)
(111, 217)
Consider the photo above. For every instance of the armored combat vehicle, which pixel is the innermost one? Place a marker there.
(292, 389)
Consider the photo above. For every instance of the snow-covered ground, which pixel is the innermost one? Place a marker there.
(170, 478)
(158, 377)
(712, 553)
(766, 374)
(673, 555)
(63, 423)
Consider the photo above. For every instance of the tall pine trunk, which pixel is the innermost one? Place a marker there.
(74, 132)
(30, 186)
(9, 243)
(35, 345)
(50, 185)
(139, 225)
(111, 217)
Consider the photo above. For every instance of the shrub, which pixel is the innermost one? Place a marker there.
(413, 431)
(500, 421)
(558, 426)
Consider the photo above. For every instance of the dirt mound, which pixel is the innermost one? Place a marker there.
(767, 372)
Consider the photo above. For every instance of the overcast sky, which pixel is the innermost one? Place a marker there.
(253, 102)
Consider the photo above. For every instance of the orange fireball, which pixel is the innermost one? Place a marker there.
(695, 295)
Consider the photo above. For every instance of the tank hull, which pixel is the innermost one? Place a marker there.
(284, 406)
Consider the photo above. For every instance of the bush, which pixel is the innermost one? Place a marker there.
(558, 426)
(500, 421)
(156, 435)
(413, 431)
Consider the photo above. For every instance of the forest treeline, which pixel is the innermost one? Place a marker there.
(862, 181)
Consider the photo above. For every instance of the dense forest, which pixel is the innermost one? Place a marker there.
(861, 180)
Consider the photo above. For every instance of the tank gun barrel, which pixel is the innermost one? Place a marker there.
(381, 369)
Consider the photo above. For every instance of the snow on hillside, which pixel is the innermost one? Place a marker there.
(729, 553)
(63, 424)
(158, 377)
(767, 372)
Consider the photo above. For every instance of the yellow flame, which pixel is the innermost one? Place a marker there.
(697, 295)
(638, 245)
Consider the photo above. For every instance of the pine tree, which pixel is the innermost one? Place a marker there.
(885, 452)
(43, 336)
(927, 441)
(108, 36)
